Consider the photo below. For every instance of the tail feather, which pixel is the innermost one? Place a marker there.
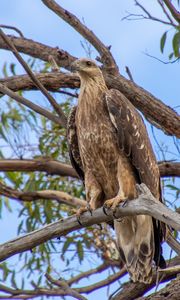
(135, 239)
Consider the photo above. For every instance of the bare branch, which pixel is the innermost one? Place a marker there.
(54, 167)
(145, 204)
(51, 167)
(6, 91)
(39, 50)
(34, 78)
(62, 290)
(65, 287)
(168, 169)
(88, 273)
(13, 28)
(175, 13)
(150, 17)
(106, 56)
(61, 197)
(131, 291)
(161, 3)
(52, 81)
(168, 120)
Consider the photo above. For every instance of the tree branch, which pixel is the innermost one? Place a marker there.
(54, 167)
(52, 81)
(106, 56)
(20, 99)
(168, 120)
(51, 167)
(13, 28)
(131, 291)
(60, 196)
(39, 50)
(62, 290)
(34, 78)
(145, 204)
(175, 13)
(169, 169)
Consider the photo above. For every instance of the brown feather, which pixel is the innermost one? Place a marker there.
(109, 144)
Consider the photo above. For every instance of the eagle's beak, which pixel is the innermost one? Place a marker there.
(74, 66)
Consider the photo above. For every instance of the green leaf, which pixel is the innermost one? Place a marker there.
(66, 245)
(176, 44)
(171, 55)
(80, 251)
(163, 41)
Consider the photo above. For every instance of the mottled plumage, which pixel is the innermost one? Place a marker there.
(110, 150)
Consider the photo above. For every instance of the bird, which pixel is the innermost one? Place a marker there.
(110, 150)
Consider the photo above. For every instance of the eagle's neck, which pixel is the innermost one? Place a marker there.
(91, 88)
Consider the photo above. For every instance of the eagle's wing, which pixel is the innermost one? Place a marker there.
(134, 142)
(73, 144)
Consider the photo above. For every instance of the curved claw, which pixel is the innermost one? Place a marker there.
(104, 210)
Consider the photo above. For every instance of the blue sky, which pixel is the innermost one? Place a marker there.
(129, 40)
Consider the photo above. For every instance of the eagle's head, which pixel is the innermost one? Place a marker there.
(86, 67)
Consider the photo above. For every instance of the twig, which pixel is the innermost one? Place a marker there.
(34, 79)
(145, 204)
(129, 73)
(161, 3)
(13, 28)
(106, 56)
(4, 90)
(88, 273)
(150, 17)
(65, 287)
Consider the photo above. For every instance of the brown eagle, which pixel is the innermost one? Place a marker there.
(111, 152)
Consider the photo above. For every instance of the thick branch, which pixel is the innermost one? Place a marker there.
(145, 204)
(54, 167)
(61, 197)
(168, 120)
(168, 169)
(131, 291)
(52, 81)
(171, 291)
(51, 167)
(106, 56)
(39, 50)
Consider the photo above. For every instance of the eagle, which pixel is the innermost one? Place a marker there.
(110, 149)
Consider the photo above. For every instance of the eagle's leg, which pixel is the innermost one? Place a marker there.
(93, 195)
(114, 202)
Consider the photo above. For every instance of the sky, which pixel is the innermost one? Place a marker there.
(130, 40)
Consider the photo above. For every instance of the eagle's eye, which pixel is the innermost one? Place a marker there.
(88, 63)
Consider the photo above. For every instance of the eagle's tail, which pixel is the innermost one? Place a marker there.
(135, 239)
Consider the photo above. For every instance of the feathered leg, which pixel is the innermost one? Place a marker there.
(93, 194)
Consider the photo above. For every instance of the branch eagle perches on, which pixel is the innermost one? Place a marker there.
(145, 204)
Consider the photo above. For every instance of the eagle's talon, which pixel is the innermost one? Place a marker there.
(89, 209)
(78, 220)
(104, 210)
